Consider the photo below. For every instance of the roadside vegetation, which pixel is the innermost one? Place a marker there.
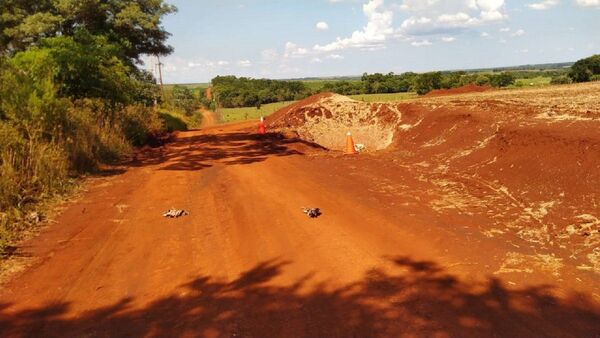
(179, 106)
(72, 97)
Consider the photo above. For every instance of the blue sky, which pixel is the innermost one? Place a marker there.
(291, 39)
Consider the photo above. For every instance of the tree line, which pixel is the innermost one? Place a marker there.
(233, 92)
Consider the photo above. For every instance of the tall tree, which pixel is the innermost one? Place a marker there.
(135, 25)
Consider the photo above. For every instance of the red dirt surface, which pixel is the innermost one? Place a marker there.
(480, 220)
(209, 118)
(470, 88)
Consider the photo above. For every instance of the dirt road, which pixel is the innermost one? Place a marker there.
(247, 262)
(209, 118)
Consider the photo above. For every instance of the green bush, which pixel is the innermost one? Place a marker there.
(424, 83)
(502, 80)
(71, 96)
(584, 69)
(233, 92)
(343, 87)
(138, 123)
(184, 99)
(482, 80)
(562, 79)
(30, 171)
(45, 138)
(171, 122)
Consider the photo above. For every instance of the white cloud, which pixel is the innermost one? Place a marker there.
(519, 32)
(334, 57)
(413, 21)
(543, 5)
(316, 60)
(505, 29)
(436, 16)
(588, 3)
(322, 26)
(292, 50)
(421, 43)
(448, 39)
(459, 18)
(417, 5)
(491, 10)
(484, 34)
(372, 36)
(244, 63)
(201, 64)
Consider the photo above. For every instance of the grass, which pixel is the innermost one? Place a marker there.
(250, 113)
(384, 97)
(539, 81)
(188, 85)
(314, 85)
(174, 120)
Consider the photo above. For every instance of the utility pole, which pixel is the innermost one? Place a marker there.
(153, 68)
(162, 91)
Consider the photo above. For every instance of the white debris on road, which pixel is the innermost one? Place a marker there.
(174, 213)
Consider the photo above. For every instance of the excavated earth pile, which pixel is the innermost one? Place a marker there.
(326, 118)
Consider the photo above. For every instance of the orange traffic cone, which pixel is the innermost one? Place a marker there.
(350, 144)
(261, 127)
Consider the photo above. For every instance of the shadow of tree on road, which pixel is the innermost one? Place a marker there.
(417, 298)
(202, 151)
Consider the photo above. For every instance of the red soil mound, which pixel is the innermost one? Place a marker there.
(288, 116)
(326, 118)
(470, 88)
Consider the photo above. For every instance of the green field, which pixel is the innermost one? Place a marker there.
(188, 85)
(314, 85)
(384, 97)
(533, 82)
(250, 113)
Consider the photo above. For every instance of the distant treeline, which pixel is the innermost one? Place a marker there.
(420, 83)
(233, 92)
